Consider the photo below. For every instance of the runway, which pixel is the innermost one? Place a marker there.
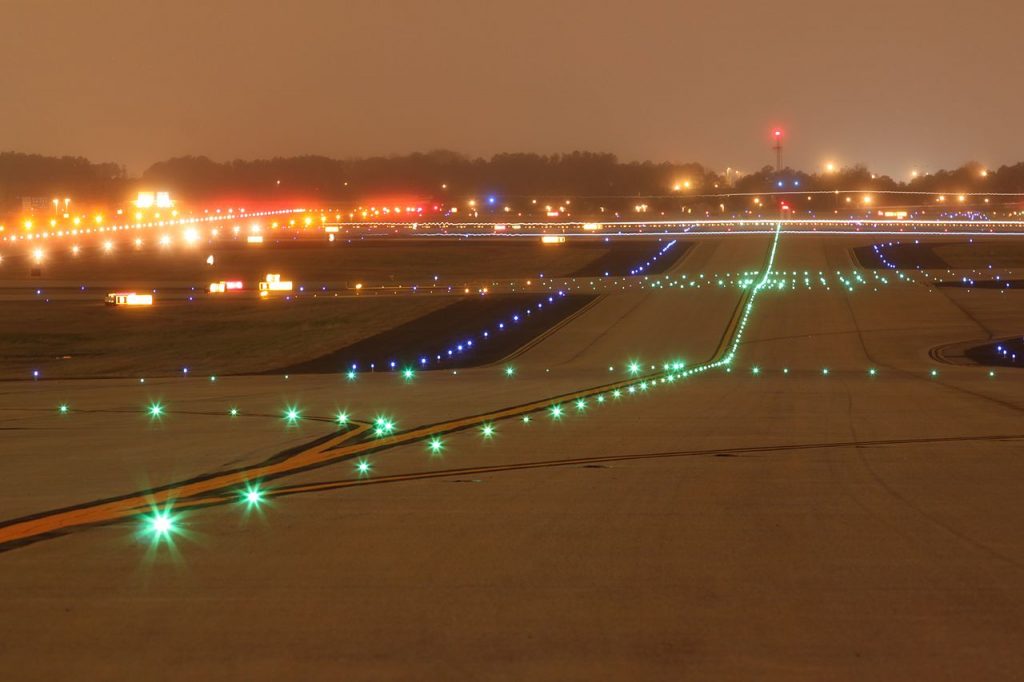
(787, 485)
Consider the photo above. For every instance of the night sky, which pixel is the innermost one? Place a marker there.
(896, 85)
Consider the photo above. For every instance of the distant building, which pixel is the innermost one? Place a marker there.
(34, 204)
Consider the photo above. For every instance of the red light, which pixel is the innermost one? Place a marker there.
(777, 133)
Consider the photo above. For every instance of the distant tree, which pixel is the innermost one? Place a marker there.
(33, 175)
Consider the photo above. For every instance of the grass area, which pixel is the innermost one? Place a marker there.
(79, 339)
(379, 261)
(981, 254)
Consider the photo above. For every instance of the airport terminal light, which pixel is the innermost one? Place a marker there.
(225, 286)
(129, 299)
(273, 283)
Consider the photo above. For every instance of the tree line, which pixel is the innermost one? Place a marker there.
(445, 175)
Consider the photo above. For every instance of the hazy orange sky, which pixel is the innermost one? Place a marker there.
(896, 85)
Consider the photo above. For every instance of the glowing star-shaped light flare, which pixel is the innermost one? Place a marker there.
(634, 367)
(408, 374)
(581, 404)
(233, 412)
(382, 426)
(350, 375)
(253, 495)
(63, 408)
(292, 415)
(363, 468)
(556, 412)
(341, 418)
(487, 430)
(435, 445)
(155, 410)
(510, 371)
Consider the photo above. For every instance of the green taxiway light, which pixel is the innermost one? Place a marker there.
(155, 410)
(756, 370)
(825, 371)
(350, 375)
(160, 524)
(233, 411)
(556, 411)
(292, 415)
(934, 373)
(363, 468)
(382, 426)
(872, 372)
(526, 419)
(581, 404)
(342, 418)
(435, 445)
(600, 398)
(510, 370)
(408, 374)
(253, 495)
(617, 393)
(634, 368)
(487, 430)
(63, 408)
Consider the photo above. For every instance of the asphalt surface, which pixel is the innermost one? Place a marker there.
(794, 517)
